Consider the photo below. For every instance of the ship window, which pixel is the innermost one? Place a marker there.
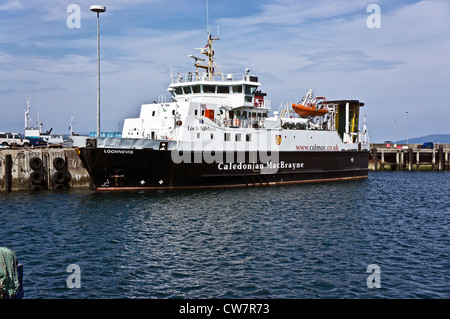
(198, 135)
(195, 112)
(237, 88)
(209, 89)
(223, 89)
(153, 113)
(248, 99)
(238, 137)
(244, 114)
(212, 136)
(196, 89)
(226, 137)
(250, 89)
(173, 112)
(187, 90)
(178, 90)
(248, 137)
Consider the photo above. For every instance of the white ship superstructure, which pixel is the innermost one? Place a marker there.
(209, 109)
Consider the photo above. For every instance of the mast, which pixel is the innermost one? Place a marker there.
(209, 52)
(27, 113)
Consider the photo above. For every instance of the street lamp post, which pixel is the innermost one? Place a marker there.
(407, 140)
(395, 132)
(98, 9)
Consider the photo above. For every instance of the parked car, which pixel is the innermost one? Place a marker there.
(428, 145)
(13, 139)
(53, 140)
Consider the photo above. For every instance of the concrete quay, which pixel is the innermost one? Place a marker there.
(27, 169)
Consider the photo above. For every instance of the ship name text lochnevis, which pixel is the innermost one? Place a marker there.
(125, 152)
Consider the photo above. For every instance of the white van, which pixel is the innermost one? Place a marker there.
(53, 140)
(13, 139)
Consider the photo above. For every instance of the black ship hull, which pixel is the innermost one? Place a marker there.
(138, 169)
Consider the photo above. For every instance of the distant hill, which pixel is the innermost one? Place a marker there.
(435, 138)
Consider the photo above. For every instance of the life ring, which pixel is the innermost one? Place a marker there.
(225, 122)
(388, 145)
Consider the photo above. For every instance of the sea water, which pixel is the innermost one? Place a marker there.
(384, 237)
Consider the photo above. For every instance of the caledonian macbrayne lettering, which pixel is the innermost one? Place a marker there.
(256, 166)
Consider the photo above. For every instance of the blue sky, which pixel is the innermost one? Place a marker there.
(292, 45)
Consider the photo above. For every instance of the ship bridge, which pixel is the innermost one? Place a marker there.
(208, 85)
(237, 91)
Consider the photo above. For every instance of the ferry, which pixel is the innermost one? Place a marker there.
(217, 131)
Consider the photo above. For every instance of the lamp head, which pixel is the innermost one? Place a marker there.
(98, 8)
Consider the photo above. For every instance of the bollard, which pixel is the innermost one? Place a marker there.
(8, 173)
(410, 158)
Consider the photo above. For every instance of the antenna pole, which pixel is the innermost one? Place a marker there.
(207, 17)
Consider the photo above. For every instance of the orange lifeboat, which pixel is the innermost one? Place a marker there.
(308, 110)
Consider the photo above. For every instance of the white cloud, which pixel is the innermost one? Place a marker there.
(291, 45)
(11, 5)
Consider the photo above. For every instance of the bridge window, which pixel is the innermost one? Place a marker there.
(187, 90)
(178, 90)
(223, 89)
(250, 89)
(209, 89)
(237, 88)
(196, 89)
